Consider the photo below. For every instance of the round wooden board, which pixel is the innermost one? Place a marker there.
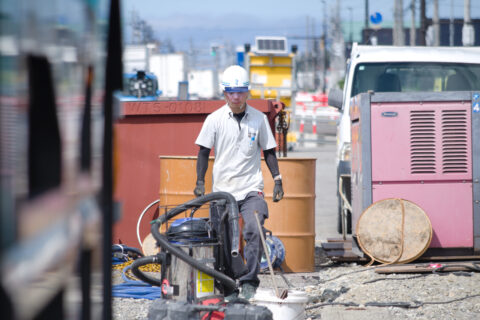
(149, 246)
(379, 231)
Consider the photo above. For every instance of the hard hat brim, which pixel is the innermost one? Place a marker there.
(236, 89)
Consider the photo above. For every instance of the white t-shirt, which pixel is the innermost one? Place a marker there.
(237, 149)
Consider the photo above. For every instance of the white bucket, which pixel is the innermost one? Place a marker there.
(290, 308)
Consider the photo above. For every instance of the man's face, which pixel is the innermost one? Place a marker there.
(236, 100)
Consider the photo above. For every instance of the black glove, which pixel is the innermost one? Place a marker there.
(277, 191)
(199, 188)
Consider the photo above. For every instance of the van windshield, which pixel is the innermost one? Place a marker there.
(415, 76)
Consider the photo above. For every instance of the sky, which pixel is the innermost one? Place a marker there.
(200, 23)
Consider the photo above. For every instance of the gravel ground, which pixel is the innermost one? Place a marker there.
(353, 283)
(343, 291)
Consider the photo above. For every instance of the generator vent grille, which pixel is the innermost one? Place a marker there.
(454, 141)
(422, 141)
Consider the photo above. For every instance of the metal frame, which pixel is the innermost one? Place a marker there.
(475, 96)
(421, 96)
(366, 160)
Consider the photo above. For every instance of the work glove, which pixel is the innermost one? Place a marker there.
(277, 191)
(199, 188)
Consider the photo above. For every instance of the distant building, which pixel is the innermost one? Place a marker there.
(384, 36)
(201, 84)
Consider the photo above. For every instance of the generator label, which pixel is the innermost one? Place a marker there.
(205, 284)
(389, 114)
(476, 102)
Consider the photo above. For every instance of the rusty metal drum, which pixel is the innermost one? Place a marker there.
(292, 219)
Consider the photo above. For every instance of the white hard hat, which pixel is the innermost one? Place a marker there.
(235, 79)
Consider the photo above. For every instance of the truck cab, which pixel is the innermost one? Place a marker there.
(396, 69)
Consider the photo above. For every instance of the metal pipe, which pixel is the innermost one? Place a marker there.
(451, 28)
(436, 24)
(413, 29)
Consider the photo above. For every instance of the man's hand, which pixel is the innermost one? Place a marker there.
(200, 188)
(277, 191)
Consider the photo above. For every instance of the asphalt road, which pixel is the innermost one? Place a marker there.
(325, 186)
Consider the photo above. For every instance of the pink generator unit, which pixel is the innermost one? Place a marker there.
(422, 147)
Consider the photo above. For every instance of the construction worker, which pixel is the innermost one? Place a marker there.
(239, 133)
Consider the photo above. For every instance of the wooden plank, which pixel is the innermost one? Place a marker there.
(449, 267)
(339, 240)
(447, 258)
(348, 259)
(338, 254)
(343, 253)
(336, 245)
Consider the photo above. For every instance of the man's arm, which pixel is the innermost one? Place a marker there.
(202, 166)
(272, 164)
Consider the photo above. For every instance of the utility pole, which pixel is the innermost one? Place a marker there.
(451, 29)
(351, 26)
(307, 36)
(337, 58)
(307, 52)
(324, 45)
(366, 14)
(398, 36)
(468, 33)
(436, 24)
(423, 23)
(314, 56)
(413, 30)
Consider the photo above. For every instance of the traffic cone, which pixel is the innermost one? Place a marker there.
(314, 120)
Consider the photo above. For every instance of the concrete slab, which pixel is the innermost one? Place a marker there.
(357, 313)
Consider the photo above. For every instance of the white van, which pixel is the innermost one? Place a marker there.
(398, 69)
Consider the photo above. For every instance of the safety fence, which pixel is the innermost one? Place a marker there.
(314, 121)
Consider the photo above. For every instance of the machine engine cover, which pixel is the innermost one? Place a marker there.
(247, 312)
(178, 310)
(172, 310)
(190, 229)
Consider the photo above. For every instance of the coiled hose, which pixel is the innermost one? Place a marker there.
(163, 242)
(158, 258)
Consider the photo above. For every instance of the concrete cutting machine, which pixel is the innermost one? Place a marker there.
(194, 277)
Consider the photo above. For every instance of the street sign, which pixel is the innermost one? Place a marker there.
(376, 18)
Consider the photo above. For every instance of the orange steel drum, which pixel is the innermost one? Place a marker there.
(292, 219)
(177, 181)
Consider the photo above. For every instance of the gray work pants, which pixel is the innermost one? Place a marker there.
(253, 249)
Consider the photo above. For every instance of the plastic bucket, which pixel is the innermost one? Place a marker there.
(290, 308)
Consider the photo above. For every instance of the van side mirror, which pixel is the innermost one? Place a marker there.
(335, 98)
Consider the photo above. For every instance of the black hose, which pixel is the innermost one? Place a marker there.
(122, 248)
(179, 253)
(144, 261)
(197, 202)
